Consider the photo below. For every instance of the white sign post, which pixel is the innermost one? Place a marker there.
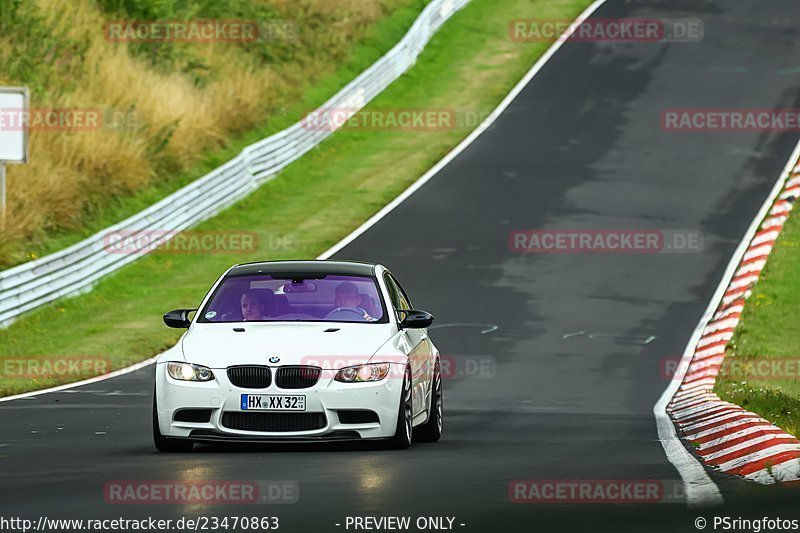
(14, 108)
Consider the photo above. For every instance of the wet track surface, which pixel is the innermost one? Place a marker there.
(580, 339)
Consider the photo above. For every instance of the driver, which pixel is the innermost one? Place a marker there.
(252, 307)
(347, 297)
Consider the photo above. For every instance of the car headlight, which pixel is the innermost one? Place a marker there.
(187, 372)
(363, 373)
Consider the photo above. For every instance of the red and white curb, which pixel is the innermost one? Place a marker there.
(723, 435)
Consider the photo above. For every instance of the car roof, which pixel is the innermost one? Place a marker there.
(353, 268)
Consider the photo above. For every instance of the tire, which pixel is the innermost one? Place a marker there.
(431, 431)
(405, 414)
(166, 444)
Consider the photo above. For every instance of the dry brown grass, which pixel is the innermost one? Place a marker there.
(174, 116)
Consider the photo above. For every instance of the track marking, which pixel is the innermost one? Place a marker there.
(698, 486)
(89, 381)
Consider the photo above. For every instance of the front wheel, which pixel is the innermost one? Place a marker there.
(431, 431)
(405, 415)
(166, 444)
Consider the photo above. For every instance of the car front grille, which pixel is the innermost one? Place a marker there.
(250, 377)
(297, 377)
(273, 422)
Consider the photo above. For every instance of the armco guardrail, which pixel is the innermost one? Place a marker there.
(74, 269)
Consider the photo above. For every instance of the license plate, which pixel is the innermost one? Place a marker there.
(273, 402)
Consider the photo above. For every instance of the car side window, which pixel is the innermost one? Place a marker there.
(404, 299)
(394, 292)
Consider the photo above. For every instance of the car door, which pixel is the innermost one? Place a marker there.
(420, 355)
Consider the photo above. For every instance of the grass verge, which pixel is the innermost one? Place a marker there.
(153, 111)
(763, 359)
(468, 67)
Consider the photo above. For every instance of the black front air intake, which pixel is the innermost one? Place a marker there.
(193, 415)
(357, 416)
(273, 422)
(250, 377)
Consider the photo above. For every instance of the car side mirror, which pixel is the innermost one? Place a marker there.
(416, 319)
(179, 318)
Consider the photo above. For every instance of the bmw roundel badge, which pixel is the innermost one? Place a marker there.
(274, 359)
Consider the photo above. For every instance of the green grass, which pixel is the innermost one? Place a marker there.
(769, 332)
(378, 40)
(469, 66)
(169, 54)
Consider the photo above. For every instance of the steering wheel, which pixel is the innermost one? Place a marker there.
(360, 313)
(295, 316)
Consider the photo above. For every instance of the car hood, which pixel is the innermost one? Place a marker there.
(219, 346)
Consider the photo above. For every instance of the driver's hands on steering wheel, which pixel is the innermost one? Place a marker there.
(356, 310)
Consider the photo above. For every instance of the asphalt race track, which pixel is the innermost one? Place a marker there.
(577, 341)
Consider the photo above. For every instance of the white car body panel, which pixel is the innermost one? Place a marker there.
(211, 345)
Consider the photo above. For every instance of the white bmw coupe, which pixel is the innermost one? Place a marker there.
(299, 351)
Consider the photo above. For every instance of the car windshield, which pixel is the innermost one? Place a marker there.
(317, 298)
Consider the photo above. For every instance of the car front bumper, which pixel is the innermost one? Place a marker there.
(324, 401)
